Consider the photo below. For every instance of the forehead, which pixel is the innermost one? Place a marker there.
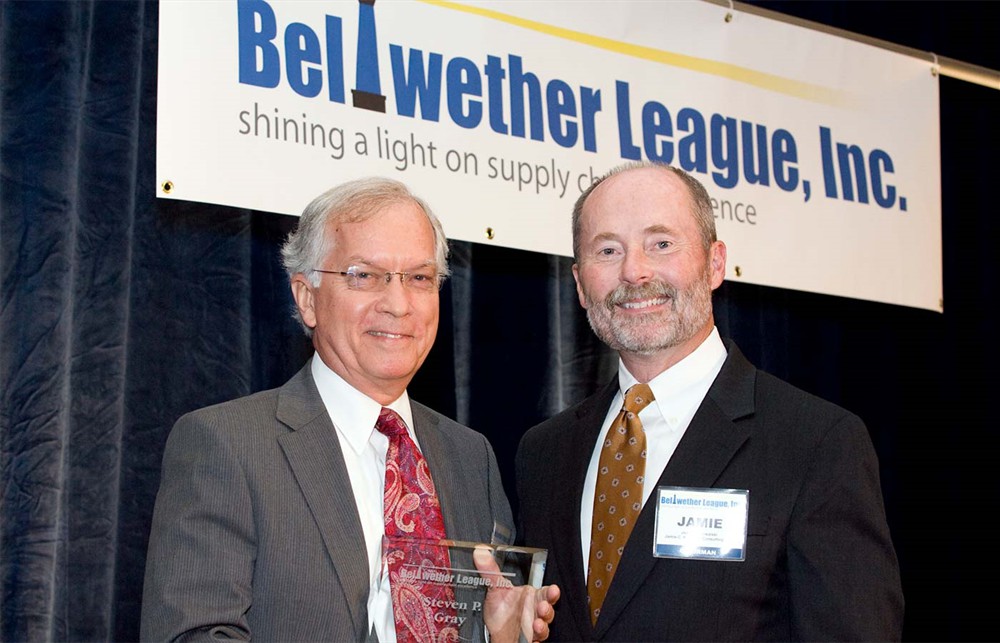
(398, 232)
(640, 199)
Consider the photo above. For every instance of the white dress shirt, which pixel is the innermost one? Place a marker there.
(678, 393)
(354, 415)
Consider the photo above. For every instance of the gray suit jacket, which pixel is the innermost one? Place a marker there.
(819, 565)
(256, 532)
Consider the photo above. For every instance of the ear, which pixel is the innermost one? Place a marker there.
(717, 263)
(579, 288)
(302, 293)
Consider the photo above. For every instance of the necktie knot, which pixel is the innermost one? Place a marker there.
(390, 424)
(637, 398)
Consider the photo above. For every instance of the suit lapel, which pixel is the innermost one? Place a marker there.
(435, 450)
(708, 445)
(314, 454)
(566, 506)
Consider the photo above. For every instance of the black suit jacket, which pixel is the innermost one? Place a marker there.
(256, 531)
(819, 565)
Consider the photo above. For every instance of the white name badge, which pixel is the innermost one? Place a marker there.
(707, 524)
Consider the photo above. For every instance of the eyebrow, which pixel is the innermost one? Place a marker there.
(604, 236)
(653, 229)
(659, 228)
(359, 260)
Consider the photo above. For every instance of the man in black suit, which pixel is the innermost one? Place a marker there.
(772, 526)
(269, 519)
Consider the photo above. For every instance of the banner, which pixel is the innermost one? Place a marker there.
(821, 154)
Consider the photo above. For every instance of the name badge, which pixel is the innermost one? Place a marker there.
(705, 524)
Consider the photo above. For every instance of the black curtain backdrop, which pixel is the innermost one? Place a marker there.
(119, 312)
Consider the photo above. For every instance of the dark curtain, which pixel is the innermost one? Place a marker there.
(119, 312)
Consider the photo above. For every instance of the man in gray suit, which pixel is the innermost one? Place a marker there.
(269, 521)
(771, 524)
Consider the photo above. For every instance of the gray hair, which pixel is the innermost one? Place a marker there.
(703, 214)
(350, 202)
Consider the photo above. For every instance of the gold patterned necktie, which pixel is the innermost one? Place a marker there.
(618, 494)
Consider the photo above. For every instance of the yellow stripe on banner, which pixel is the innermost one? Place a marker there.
(770, 82)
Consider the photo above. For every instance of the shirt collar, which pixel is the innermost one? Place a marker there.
(352, 412)
(702, 363)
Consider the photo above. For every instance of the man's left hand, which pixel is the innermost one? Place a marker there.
(514, 614)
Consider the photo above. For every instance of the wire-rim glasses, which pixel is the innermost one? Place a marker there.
(366, 279)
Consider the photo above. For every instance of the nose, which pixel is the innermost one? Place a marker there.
(636, 267)
(395, 298)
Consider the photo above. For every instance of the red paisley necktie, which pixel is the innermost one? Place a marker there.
(421, 607)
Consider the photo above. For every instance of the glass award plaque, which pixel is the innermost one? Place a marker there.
(450, 590)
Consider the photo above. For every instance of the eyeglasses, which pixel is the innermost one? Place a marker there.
(368, 280)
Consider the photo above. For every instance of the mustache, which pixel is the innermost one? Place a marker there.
(648, 290)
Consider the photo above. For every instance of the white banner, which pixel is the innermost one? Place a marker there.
(822, 154)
